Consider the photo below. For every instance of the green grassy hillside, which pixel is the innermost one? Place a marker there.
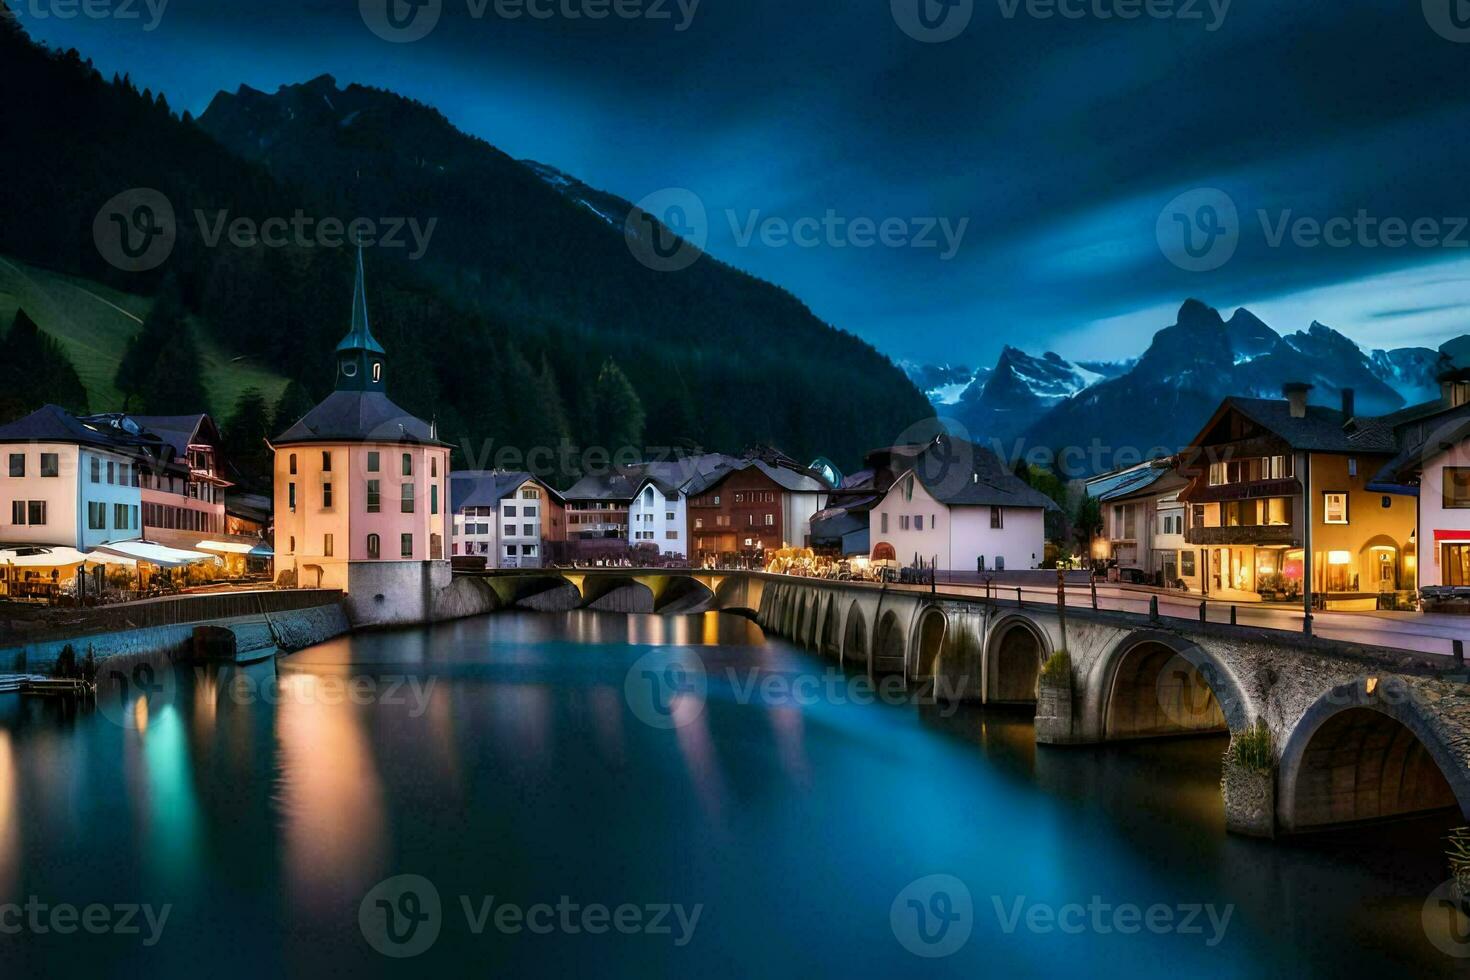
(93, 324)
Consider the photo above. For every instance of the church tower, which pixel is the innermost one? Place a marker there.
(359, 356)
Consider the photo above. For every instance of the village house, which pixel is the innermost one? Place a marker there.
(361, 490)
(744, 508)
(1143, 525)
(1434, 465)
(1263, 472)
(954, 505)
(506, 518)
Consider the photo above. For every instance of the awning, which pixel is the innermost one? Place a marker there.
(262, 550)
(225, 547)
(155, 554)
(42, 557)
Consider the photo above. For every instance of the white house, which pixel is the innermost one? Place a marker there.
(658, 518)
(958, 506)
(506, 518)
(65, 483)
(1436, 462)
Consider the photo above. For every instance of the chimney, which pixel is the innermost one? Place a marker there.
(1296, 396)
(1349, 403)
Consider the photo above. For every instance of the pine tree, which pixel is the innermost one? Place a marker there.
(34, 371)
(245, 435)
(175, 386)
(166, 319)
(290, 407)
(617, 412)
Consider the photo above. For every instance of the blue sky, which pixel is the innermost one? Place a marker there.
(1056, 143)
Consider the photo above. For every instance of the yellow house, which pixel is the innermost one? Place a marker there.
(1280, 495)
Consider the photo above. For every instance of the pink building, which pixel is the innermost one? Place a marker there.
(361, 491)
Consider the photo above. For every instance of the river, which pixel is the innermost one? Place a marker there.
(613, 796)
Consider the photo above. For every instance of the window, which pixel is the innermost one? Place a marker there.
(372, 462)
(405, 545)
(326, 546)
(111, 472)
(1456, 487)
(374, 497)
(1334, 508)
(293, 545)
(374, 546)
(1352, 466)
(997, 518)
(671, 535)
(883, 523)
(699, 524)
(17, 464)
(135, 524)
(326, 496)
(326, 461)
(17, 512)
(406, 501)
(433, 466)
(1186, 564)
(510, 511)
(120, 516)
(292, 461)
(291, 495)
(436, 547)
(96, 516)
(903, 522)
(408, 464)
(770, 520)
(434, 499)
(531, 493)
(1457, 564)
(96, 470)
(918, 522)
(36, 512)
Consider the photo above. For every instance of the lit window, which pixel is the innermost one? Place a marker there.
(1334, 508)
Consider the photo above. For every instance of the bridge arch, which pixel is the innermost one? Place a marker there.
(855, 636)
(1014, 653)
(615, 593)
(1365, 751)
(828, 639)
(889, 652)
(1155, 684)
(929, 642)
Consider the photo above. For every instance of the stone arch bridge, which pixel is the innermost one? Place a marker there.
(1356, 733)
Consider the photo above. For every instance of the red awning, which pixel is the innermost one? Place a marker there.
(1452, 535)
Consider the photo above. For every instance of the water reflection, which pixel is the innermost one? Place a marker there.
(331, 800)
(9, 822)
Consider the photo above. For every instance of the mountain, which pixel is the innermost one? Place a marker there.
(1190, 367)
(1007, 399)
(500, 330)
(943, 384)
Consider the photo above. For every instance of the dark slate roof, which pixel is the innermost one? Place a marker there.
(832, 524)
(51, 423)
(177, 430)
(486, 488)
(1321, 430)
(359, 416)
(962, 474)
(1145, 479)
(1437, 434)
(612, 485)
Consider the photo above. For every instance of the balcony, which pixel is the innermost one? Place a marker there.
(1246, 535)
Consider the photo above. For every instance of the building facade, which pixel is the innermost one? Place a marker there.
(1267, 474)
(69, 483)
(362, 491)
(508, 519)
(658, 519)
(957, 507)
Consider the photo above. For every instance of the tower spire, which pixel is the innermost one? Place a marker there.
(359, 355)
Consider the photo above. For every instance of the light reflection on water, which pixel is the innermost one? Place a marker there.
(524, 774)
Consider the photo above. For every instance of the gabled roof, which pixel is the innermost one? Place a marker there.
(180, 431)
(486, 488)
(1151, 479)
(1320, 430)
(961, 474)
(51, 423)
(1440, 433)
(359, 416)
